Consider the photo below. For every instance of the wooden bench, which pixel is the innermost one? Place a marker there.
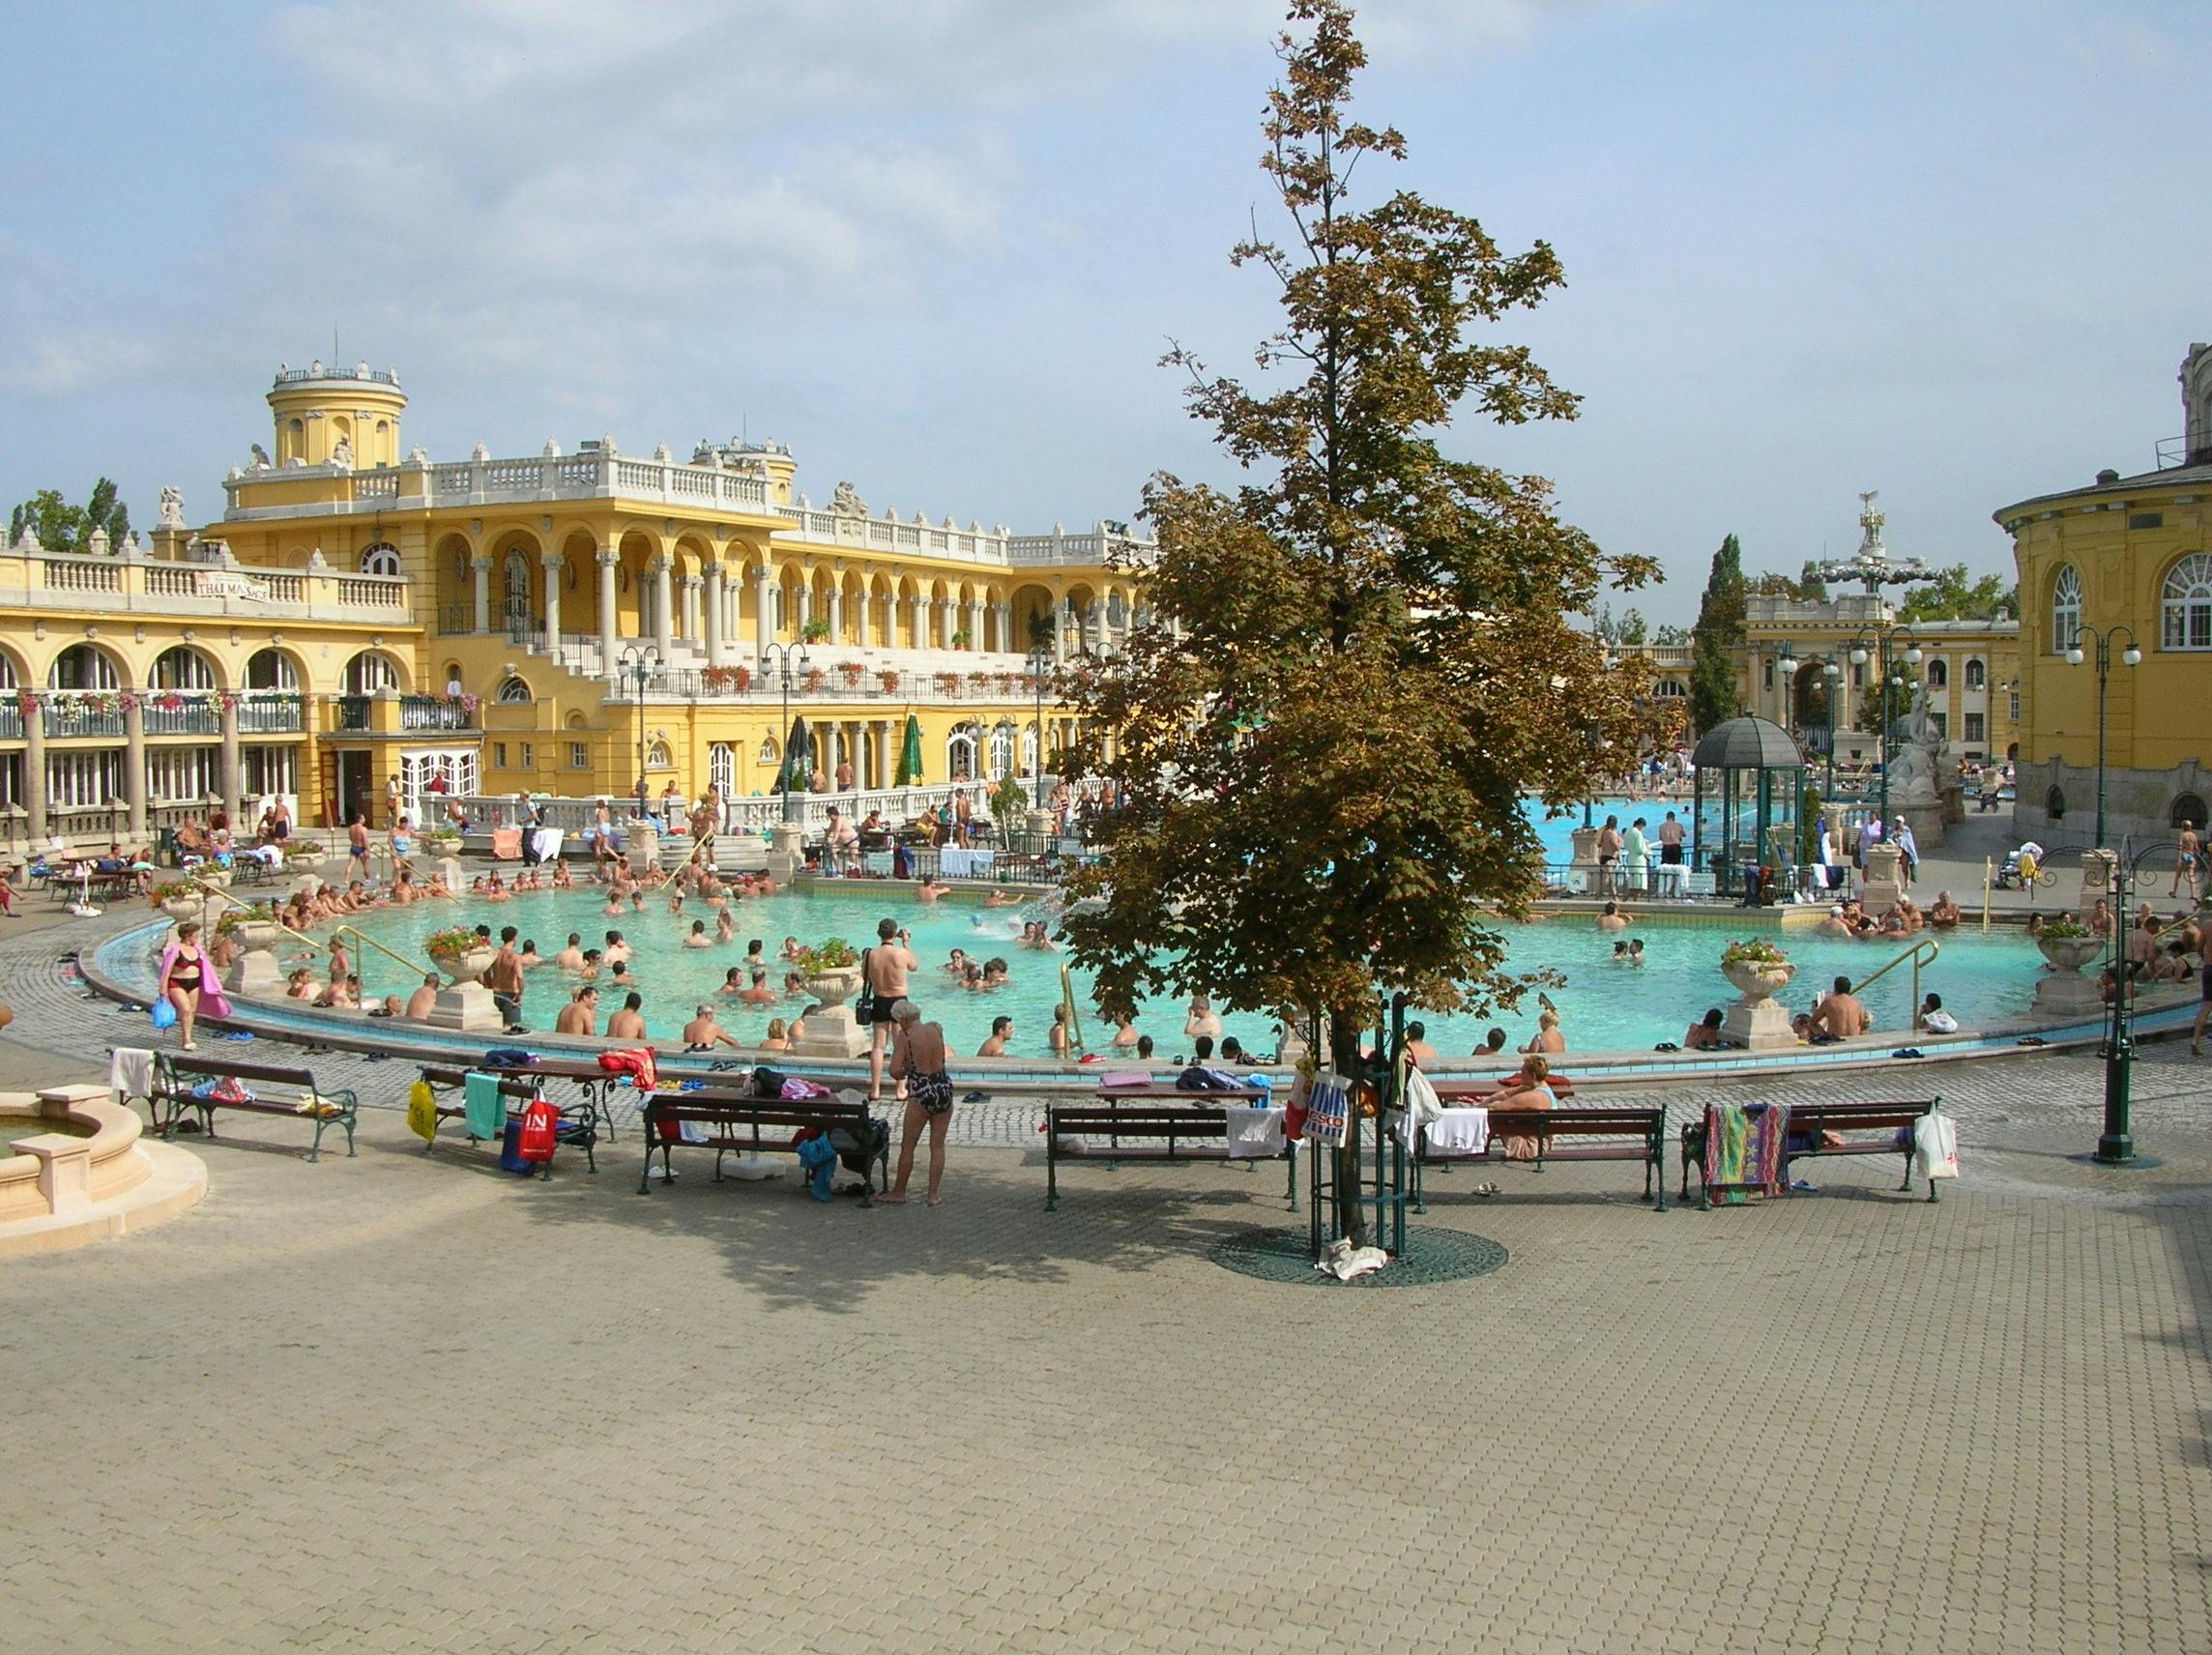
(596, 1085)
(578, 1125)
(177, 1073)
(1194, 1130)
(734, 1122)
(1634, 1134)
(1456, 1094)
(1808, 1121)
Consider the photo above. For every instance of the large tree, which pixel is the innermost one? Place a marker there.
(1954, 595)
(1713, 640)
(1359, 660)
(64, 528)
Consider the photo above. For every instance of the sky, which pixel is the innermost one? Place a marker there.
(1948, 249)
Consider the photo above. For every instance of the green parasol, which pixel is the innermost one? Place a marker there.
(910, 754)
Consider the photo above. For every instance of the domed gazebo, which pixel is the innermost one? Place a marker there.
(1749, 789)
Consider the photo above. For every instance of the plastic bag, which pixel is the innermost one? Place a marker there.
(1936, 1147)
(165, 1013)
(540, 1125)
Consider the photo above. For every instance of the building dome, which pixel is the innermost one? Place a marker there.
(1748, 744)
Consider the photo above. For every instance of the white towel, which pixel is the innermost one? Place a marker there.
(1254, 1134)
(130, 1072)
(1460, 1132)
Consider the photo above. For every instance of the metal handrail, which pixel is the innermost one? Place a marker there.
(218, 890)
(1923, 951)
(417, 966)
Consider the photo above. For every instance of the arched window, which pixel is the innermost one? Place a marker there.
(2065, 609)
(271, 669)
(514, 690)
(1002, 750)
(1977, 675)
(722, 768)
(380, 558)
(768, 750)
(8, 678)
(960, 753)
(80, 666)
(369, 674)
(2185, 606)
(1669, 689)
(514, 586)
(1030, 750)
(180, 668)
(1938, 673)
(656, 757)
(2054, 803)
(2188, 811)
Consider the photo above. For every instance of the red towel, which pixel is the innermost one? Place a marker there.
(637, 1063)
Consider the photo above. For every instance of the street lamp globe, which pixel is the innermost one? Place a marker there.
(1915, 654)
(2131, 657)
(2074, 655)
(1859, 656)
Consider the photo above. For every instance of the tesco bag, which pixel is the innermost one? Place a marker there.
(1936, 1147)
(540, 1131)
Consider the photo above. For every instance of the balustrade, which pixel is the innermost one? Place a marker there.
(180, 714)
(277, 714)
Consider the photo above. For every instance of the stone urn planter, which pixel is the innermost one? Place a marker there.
(212, 873)
(304, 859)
(466, 966)
(836, 986)
(1755, 1021)
(2063, 991)
(182, 907)
(256, 936)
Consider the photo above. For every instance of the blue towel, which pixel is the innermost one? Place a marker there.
(484, 1110)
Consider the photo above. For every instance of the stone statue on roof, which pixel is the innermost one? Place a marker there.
(172, 506)
(845, 502)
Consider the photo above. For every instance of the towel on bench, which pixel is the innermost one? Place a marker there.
(130, 1072)
(484, 1110)
(1460, 1132)
(1254, 1134)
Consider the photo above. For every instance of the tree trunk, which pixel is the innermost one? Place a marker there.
(1344, 1048)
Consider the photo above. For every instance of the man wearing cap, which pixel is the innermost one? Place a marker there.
(1835, 925)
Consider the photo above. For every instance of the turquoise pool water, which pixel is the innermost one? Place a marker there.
(1604, 1007)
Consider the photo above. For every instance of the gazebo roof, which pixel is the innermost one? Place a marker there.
(1748, 744)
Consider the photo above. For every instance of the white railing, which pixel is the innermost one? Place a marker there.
(1091, 548)
(597, 475)
(373, 591)
(753, 813)
(887, 534)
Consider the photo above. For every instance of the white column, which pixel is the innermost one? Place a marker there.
(920, 622)
(879, 754)
(664, 607)
(1003, 616)
(975, 624)
(805, 606)
(947, 622)
(836, 615)
(764, 615)
(1059, 633)
(480, 568)
(608, 557)
(860, 619)
(715, 616)
(693, 621)
(552, 564)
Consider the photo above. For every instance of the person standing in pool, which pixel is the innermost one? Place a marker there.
(886, 967)
(1608, 854)
(918, 1059)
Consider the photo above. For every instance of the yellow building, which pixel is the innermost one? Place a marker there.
(2124, 562)
(360, 611)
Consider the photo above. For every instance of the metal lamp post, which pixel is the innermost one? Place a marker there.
(782, 654)
(1881, 646)
(2116, 1144)
(1831, 675)
(638, 660)
(2130, 657)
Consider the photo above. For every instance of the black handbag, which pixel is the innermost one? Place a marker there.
(864, 1008)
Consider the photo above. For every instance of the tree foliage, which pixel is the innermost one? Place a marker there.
(1954, 595)
(1671, 635)
(1713, 640)
(64, 528)
(1359, 659)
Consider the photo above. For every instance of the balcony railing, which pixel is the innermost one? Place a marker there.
(11, 720)
(433, 712)
(736, 683)
(183, 715)
(67, 720)
(271, 713)
(353, 711)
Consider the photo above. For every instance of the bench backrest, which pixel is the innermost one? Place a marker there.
(1109, 1095)
(757, 1112)
(459, 1076)
(1089, 1117)
(1579, 1122)
(1856, 1116)
(216, 1069)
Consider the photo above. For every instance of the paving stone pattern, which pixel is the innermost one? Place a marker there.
(410, 1403)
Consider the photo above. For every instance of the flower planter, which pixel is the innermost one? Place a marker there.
(2063, 991)
(1758, 980)
(2070, 954)
(182, 907)
(465, 968)
(836, 987)
(256, 934)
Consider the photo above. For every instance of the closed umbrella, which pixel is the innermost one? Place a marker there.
(797, 756)
(910, 754)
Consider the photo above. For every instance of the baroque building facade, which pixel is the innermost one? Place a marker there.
(2125, 562)
(558, 622)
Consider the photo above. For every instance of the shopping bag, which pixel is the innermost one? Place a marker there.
(422, 1111)
(540, 1128)
(1936, 1147)
(165, 1013)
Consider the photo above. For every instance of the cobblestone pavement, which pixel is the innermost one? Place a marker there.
(409, 1403)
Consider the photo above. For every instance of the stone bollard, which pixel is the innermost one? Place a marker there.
(1881, 888)
(2100, 876)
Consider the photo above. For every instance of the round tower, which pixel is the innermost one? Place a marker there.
(327, 414)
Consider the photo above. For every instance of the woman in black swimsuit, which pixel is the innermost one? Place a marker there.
(917, 1058)
(186, 974)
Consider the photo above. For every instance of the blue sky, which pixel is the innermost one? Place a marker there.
(1948, 249)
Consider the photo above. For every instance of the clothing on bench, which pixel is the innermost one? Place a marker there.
(183, 1081)
(1188, 1131)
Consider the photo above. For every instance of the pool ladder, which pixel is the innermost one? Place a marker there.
(1923, 953)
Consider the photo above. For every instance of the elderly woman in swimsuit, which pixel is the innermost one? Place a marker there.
(917, 1058)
